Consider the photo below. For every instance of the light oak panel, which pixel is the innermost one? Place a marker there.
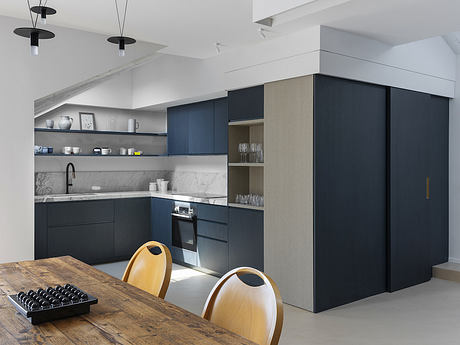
(288, 186)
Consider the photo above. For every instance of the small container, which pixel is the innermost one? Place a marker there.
(153, 187)
(50, 150)
(164, 186)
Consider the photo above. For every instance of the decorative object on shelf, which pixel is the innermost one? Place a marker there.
(43, 11)
(37, 149)
(123, 151)
(65, 123)
(131, 151)
(50, 124)
(243, 149)
(133, 125)
(67, 150)
(87, 122)
(33, 33)
(76, 150)
(138, 153)
(153, 186)
(121, 40)
(106, 151)
(97, 151)
(164, 186)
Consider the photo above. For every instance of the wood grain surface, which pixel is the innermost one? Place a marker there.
(124, 314)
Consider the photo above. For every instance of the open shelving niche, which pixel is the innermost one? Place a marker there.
(152, 144)
(244, 178)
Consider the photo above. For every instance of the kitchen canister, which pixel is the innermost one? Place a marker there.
(164, 186)
(153, 187)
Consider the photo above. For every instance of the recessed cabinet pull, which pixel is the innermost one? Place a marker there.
(427, 192)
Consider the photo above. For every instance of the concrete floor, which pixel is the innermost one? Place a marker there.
(427, 314)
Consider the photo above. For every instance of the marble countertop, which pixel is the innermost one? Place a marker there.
(186, 197)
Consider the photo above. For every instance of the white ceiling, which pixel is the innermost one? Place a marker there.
(191, 27)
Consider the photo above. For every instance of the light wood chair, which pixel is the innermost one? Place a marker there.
(148, 271)
(255, 313)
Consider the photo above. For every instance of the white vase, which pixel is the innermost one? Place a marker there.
(65, 122)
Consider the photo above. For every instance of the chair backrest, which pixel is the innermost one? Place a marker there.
(254, 312)
(148, 271)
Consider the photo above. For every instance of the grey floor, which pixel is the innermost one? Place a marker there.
(427, 314)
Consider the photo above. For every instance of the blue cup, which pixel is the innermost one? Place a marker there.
(44, 149)
(50, 150)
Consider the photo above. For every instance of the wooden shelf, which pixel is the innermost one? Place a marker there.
(76, 131)
(260, 165)
(91, 155)
(257, 122)
(249, 207)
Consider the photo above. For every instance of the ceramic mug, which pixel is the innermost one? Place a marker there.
(106, 151)
(37, 149)
(50, 124)
(153, 187)
(123, 151)
(44, 149)
(164, 186)
(131, 151)
(76, 150)
(67, 150)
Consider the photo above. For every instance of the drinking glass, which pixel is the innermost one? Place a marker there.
(259, 154)
(252, 153)
(243, 149)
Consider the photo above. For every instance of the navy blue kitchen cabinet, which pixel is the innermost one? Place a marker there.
(212, 254)
(41, 231)
(246, 104)
(221, 126)
(131, 226)
(198, 128)
(201, 128)
(161, 220)
(245, 238)
(178, 130)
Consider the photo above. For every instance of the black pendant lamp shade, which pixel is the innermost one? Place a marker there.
(43, 11)
(35, 34)
(121, 41)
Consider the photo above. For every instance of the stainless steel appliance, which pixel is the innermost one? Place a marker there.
(184, 236)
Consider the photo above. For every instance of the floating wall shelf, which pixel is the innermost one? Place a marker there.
(91, 155)
(77, 131)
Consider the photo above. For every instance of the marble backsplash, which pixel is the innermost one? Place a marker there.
(123, 181)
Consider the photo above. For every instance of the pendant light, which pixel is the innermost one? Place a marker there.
(121, 40)
(43, 11)
(33, 33)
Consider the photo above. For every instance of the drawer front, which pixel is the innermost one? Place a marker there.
(213, 230)
(212, 213)
(89, 243)
(213, 255)
(80, 212)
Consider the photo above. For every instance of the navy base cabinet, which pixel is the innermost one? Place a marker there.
(94, 232)
(161, 221)
(245, 238)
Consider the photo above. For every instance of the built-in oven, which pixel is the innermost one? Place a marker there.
(184, 234)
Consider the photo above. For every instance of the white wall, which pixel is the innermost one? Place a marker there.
(114, 93)
(262, 9)
(61, 63)
(426, 66)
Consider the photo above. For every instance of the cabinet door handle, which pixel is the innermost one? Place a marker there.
(427, 189)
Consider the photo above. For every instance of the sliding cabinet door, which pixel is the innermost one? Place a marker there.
(409, 228)
(350, 191)
(439, 179)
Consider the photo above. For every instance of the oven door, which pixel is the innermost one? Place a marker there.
(184, 231)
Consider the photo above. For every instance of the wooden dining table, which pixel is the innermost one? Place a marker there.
(124, 314)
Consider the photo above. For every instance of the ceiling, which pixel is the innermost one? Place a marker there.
(191, 27)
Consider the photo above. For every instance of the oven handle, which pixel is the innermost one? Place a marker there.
(183, 216)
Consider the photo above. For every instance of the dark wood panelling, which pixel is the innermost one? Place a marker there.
(350, 191)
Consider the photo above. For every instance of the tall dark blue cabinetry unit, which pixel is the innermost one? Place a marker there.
(418, 190)
(198, 128)
(350, 191)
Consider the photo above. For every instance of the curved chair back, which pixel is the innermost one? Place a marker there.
(254, 312)
(148, 271)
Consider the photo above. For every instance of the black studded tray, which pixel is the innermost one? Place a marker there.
(50, 304)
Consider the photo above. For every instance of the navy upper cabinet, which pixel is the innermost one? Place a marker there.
(178, 130)
(221, 126)
(201, 128)
(198, 128)
(246, 104)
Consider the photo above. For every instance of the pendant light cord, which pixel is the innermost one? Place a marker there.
(30, 12)
(120, 26)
